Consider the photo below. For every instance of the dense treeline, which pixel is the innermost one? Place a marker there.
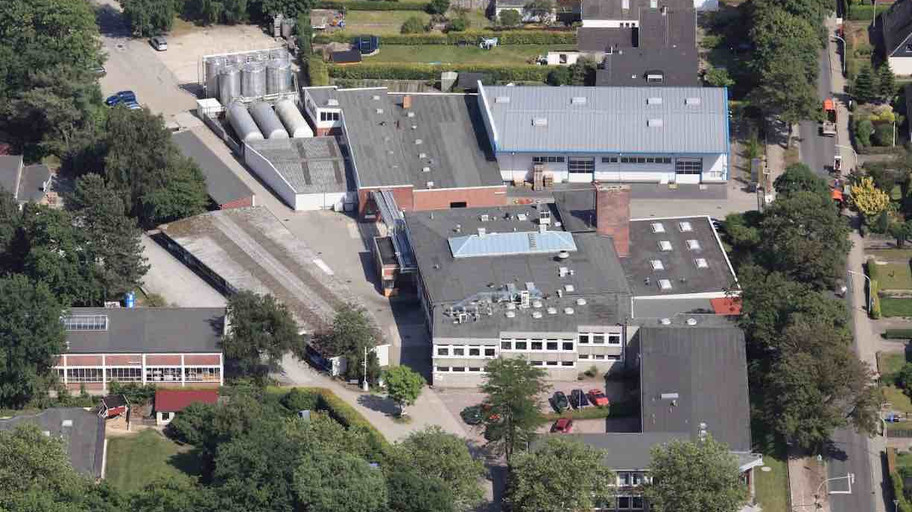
(805, 377)
(152, 17)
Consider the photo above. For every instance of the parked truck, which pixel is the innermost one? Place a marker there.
(828, 124)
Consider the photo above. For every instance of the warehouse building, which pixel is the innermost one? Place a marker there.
(223, 186)
(609, 134)
(172, 347)
(429, 150)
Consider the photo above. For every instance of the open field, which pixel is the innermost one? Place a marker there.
(888, 363)
(895, 276)
(772, 486)
(379, 22)
(134, 461)
(898, 400)
(895, 307)
(449, 54)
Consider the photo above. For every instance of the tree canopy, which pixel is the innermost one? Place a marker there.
(403, 385)
(513, 388)
(352, 334)
(260, 330)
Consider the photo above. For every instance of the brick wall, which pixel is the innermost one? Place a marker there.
(440, 199)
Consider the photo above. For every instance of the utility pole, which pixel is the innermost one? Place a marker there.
(364, 385)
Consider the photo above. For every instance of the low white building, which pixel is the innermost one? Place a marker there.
(609, 134)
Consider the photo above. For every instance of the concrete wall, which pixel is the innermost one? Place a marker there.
(901, 66)
(323, 201)
(268, 173)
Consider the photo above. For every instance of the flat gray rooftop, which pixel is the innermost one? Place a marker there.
(222, 185)
(311, 165)
(148, 330)
(649, 120)
(82, 432)
(251, 250)
(392, 146)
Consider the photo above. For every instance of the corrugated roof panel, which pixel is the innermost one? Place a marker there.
(505, 244)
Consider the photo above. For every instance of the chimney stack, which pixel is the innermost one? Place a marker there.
(612, 215)
(406, 102)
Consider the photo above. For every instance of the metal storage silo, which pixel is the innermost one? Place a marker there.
(229, 84)
(287, 27)
(293, 120)
(253, 80)
(244, 126)
(213, 66)
(278, 76)
(268, 121)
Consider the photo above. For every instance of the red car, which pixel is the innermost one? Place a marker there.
(598, 398)
(562, 426)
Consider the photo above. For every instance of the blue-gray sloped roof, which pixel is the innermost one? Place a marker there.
(505, 244)
(608, 119)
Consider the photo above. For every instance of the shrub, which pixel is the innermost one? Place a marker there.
(560, 76)
(510, 18)
(505, 37)
(864, 131)
(499, 74)
(875, 301)
(368, 5)
(438, 6)
(718, 77)
(897, 334)
(883, 134)
(136, 394)
(709, 42)
(458, 25)
(154, 300)
(300, 399)
(317, 73)
(413, 25)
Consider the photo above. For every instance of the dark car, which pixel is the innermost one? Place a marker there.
(578, 399)
(562, 426)
(559, 401)
(472, 415)
(121, 97)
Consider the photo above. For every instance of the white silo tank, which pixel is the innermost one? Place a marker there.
(268, 121)
(293, 119)
(243, 124)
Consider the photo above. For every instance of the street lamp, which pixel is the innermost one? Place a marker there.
(844, 52)
(870, 289)
(854, 153)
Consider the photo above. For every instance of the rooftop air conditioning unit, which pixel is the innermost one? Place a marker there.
(536, 314)
(568, 311)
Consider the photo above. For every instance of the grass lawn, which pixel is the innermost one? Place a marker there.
(450, 54)
(899, 401)
(772, 486)
(895, 276)
(891, 255)
(133, 461)
(889, 363)
(379, 22)
(895, 307)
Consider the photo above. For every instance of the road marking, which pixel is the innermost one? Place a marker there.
(323, 266)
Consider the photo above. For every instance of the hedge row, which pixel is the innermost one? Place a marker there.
(350, 417)
(471, 37)
(500, 74)
(898, 334)
(367, 5)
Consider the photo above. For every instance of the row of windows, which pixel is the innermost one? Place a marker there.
(466, 351)
(688, 165)
(564, 364)
(538, 345)
(628, 478)
(458, 369)
(622, 503)
(682, 165)
(547, 159)
(329, 116)
(599, 338)
(153, 374)
(600, 357)
(581, 165)
(641, 160)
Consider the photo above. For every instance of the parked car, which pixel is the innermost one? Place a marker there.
(121, 97)
(471, 415)
(559, 401)
(598, 398)
(159, 43)
(578, 399)
(562, 426)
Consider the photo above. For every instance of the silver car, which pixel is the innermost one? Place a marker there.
(159, 43)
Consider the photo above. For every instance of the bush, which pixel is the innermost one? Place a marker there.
(438, 6)
(875, 302)
(897, 334)
(368, 5)
(560, 76)
(300, 399)
(413, 25)
(458, 25)
(505, 37)
(317, 73)
(510, 18)
(863, 131)
(499, 74)
(858, 12)
(136, 394)
(349, 417)
(883, 134)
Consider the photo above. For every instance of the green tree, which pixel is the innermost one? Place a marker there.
(290, 8)
(904, 378)
(148, 17)
(458, 24)
(403, 385)
(10, 222)
(112, 238)
(798, 177)
(513, 388)
(902, 232)
(352, 335)
(863, 131)
(718, 77)
(510, 18)
(886, 82)
(171, 494)
(582, 72)
(542, 10)
(700, 475)
(785, 92)
(560, 475)
(778, 34)
(438, 455)
(304, 32)
(413, 25)
(864, 89)
(560, 75)
(259, 327)
(438, 6)
(327, 481)
(410, 491)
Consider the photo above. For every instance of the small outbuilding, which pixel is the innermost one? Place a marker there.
(345, 57)
(168, 402)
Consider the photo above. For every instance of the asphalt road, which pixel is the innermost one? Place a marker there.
(818, 151)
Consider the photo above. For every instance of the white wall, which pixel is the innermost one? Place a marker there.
(270, 175)
(519, 166)
(554, 58)
(901, 66)
(715, 169)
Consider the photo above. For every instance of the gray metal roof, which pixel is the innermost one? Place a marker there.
(614, 9)
(83, 438)
(10, 168)
(706, 367)
(679, 68)
(311, 165)
(628, 451)
(897, 29)
(392, 146)
(149, 330)
(608, 119)
(222, 185)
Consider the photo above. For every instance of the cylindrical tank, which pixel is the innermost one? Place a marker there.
(287, 27)
(213, 66)
(278, 76)
(268, 121)
(293, 120)
(244, 126)
(253, 80)
(229, 84)
(279, 53)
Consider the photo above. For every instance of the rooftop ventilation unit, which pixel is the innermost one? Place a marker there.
(539, 121)
(502, 99)
(536, 314)
(568, 311)
(375, 97)
(657, 227)
(664, 284)
(552, 311)
(692, 102)
(411, 114)
(701, 263)
(425, 169)
(569, 288)
(484, 217)
(580, 301)
(66, 423)
(693, 245)
(657, 265)
(691, 321)
(521, 216)
(665, 245)
(332, 102)
(563, 271)
(422, 155)
(510, 314)
(578, 100)
(430, 184)
(537, 304)
(379, 110)
(665, 321)
(482, 232)
(655, 123)
(653, 101)
(685, 226)
(511, 305)
(670, 396)
(418, 142)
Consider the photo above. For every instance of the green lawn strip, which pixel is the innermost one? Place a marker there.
(889, 363)
(898, 400)
(379, 22)
(895, 276)
(449, 54)
(772, 486)
(134, 461)
(891, 255)
(895, 307)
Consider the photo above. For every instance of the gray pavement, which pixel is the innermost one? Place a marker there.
(816, 150)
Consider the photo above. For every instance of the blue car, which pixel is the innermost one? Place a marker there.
(121, 97)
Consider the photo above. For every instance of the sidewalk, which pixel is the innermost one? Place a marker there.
(806, 476)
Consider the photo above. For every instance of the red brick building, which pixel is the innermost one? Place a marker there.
(169, 347)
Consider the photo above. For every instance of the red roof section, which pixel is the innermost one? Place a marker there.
(175, 400)
(726, 305)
